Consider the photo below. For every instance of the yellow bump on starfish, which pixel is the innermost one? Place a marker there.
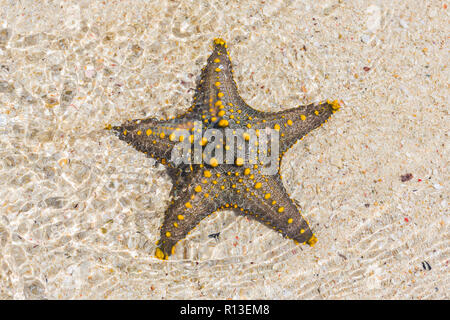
(258, 185)
(290, 220)
(280, 209)
(180, 217)
(303, 117)
(312, 241)
(223, 123)
(216, 60)
(247, 171)
(267, 196)
(334, 105)
(188, 205)
(168, 234)
(276, 127)
(198, 188)
(219, 41)
(239, 162)
(148, 132)
(207, 174)
(159, 254)
(213, 162)
(203, 141)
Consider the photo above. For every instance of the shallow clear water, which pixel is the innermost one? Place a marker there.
(80, 210)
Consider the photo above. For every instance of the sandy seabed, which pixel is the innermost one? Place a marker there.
(80, 210)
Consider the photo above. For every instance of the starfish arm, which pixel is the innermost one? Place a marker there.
(198, 197)
(154, 137)
(293, 124)
(265, 199)
(216, 92)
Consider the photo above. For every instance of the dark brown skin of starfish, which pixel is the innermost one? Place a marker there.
(201, 189)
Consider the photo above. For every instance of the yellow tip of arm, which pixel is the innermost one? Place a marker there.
(160, 254)
(312, 241)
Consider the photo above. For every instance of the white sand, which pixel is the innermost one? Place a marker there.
(80, 210)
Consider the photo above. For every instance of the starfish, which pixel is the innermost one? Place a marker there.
(201, 189)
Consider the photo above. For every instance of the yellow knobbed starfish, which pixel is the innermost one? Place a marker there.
(201, 189)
